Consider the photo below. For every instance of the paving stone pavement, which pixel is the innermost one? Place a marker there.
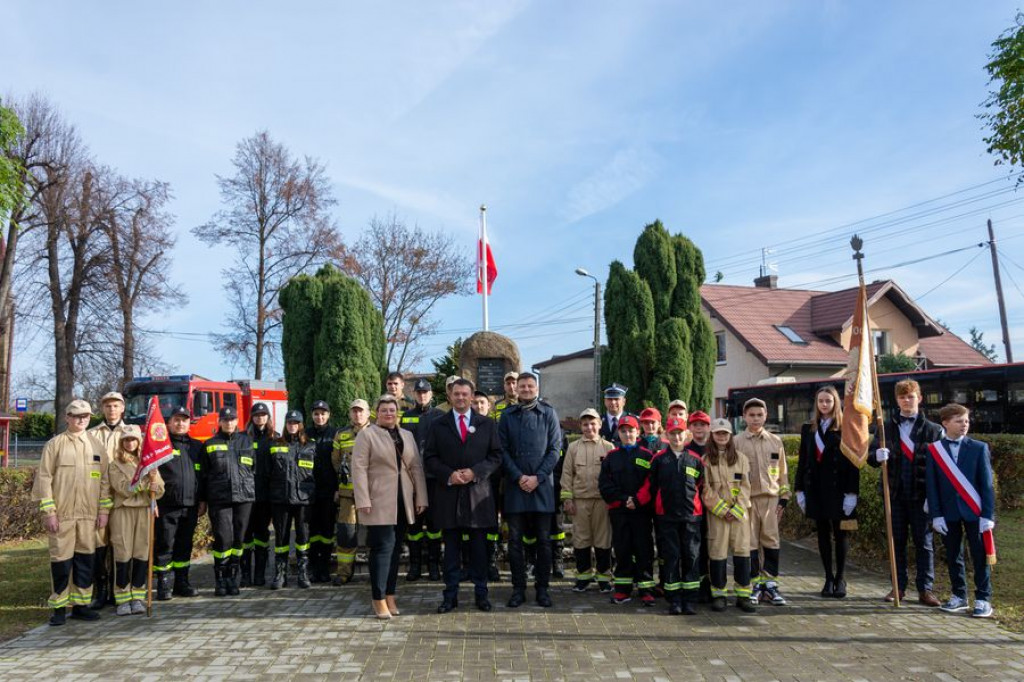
(327, 633)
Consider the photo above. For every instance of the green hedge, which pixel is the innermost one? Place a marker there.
(34, 425)
(18, 513)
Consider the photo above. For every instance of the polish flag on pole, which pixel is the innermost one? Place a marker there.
(486, 270)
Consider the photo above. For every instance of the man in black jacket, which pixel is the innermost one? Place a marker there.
(418, 421)
(176, 523)
(462, 451)
(908, 433)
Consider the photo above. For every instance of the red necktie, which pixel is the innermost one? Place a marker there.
(462, 427)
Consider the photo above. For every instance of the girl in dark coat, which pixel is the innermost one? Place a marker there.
(827, 485)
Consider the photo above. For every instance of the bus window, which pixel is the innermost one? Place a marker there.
(986, 395)
(216, 397)
(1015, 393)
(231, 400)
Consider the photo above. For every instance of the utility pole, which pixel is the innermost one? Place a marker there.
(999, 292)
(597, 335)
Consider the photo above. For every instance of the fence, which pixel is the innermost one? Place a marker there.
(25, 451)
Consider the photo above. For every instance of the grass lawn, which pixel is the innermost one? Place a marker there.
(25, 575)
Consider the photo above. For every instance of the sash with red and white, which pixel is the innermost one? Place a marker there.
(907, 446)
(964, 489)
(819, 446)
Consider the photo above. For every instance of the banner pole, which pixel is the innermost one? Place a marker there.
(880, 430)
(149, 571)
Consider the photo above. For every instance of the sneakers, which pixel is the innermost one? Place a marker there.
(772, 594)
(982, 609)
(621, 598)
(580, 586)
(138, 607)
(124, 609)
(755, 593)
(954, 604)
(604, 588)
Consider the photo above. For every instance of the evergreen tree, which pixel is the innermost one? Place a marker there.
(335, 346)
(705, 355)
(629, 314)
(445, 366)
(673, 371)
(655, 261)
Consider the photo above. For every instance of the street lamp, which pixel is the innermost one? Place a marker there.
(597, 335)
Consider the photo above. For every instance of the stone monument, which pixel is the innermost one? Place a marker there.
(485, 359)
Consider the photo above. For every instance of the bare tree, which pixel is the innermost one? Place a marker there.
(137, 228)
(276, 217)
(407, 271)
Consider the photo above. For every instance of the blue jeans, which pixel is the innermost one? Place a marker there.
(954, 542)
(384, 554)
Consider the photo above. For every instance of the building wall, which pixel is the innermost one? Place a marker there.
(741, 367)
(885, 316)
(569, 386)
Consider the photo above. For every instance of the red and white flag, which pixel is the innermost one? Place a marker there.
(486, 270)
(860, 386)
(156, 444)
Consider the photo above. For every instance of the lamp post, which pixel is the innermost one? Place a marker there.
(597, 335)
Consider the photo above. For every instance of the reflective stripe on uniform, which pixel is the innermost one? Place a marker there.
(47, 505)
(414, 537)
(491, 537)
(695, 585)
(216, 448)
(586, 575)
(180, 564)
(529, 541)
(434, 536)
(623, 581)
(673, 587)
(281, 549)
(646, 584)
(738, 511)
(302, 548)
(162, 569)
(345, 557)
(260, 543)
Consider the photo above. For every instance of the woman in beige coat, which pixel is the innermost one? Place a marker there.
(390, 491)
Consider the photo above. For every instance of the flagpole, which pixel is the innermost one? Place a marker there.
(857, 243)
(481, 261)
(149, 571)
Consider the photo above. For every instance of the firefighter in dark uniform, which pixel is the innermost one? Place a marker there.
(257, 535)
(179, 511)
(228, 487)
(615, 409)
(291, 491)
(418, 421)
(495, 541)
(347, 521)
(324, 509)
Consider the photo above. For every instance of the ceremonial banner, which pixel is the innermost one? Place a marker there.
(156, 444)
(860, 386)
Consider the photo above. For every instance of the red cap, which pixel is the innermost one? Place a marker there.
(629, 420)
(699, 416)
(650, 414)
(675, 424)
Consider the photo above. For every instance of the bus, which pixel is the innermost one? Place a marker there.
(993, 393)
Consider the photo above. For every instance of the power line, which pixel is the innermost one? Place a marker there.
(958, 271)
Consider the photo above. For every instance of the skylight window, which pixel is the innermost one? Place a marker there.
(790, 334)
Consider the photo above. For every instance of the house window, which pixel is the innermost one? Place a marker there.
(720, 342)
(883, 342)
(791, 334)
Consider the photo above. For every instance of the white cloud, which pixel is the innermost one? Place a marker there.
(625, 173)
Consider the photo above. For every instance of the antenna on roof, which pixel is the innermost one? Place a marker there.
(766, 266)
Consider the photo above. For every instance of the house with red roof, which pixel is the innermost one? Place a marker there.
(768, 334)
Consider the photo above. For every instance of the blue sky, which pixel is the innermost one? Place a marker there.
(576, 123)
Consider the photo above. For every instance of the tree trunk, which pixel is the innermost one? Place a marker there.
(128, 349)
(261, 311)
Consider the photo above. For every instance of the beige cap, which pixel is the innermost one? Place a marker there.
(451, 380)
(678, 403)
(721, 425)
(113, 395)
(360, 403)
(131, 431)
(76, 407)
(511, 375)
(590, 412)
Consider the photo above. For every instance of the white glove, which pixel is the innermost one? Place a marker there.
(801, 501)
(986, 524)
(939, 524)
(881, 455)
(849, 503)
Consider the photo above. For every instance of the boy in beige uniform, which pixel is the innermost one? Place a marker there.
(581, 500)
(769, 494)
(73, 492)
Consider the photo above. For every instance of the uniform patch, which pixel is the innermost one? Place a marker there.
(246, 460)
(94, 474)
(306, 463)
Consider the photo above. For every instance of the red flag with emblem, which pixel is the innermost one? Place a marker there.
(156, 443)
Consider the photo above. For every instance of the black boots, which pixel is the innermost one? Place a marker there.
(434, 559)
(302, 568)
(163, 586)
(100, 580)
(246, 568)
(259, 577)
(220, 574)
(493, 574)
(557, 560)
(182, 587)
(415, 561)
(280, 571)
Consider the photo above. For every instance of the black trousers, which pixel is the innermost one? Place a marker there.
(385, 551)
(322, 516)
(455, 540)
(284, 517)
(228, 523)
(829, 534)
(175, 528)
(634, 550)
(680, 549)
(257, 533)
(535, 525)
(909, 521)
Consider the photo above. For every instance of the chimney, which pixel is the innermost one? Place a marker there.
(767, 282)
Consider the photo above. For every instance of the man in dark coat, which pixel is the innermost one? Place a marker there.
(461, 452)
(530, 442)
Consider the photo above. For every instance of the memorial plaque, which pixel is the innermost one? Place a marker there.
(490, 376)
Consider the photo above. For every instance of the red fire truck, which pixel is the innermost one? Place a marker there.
(203, 398)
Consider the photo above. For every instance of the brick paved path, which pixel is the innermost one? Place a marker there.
(326, 633)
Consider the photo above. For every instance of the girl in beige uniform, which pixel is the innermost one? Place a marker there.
(129, 524)
(727, 499)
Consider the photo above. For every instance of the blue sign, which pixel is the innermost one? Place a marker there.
(21, 404)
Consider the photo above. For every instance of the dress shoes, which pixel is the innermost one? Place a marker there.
(903, 595)
(484, 604)
(544, 599)
(840, 589)
(516, 600)
(448, 605)
(927, 598)
(829, 588)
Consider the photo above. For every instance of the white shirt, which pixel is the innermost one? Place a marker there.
(467, 414)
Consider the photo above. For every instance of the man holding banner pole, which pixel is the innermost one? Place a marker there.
(862, 400)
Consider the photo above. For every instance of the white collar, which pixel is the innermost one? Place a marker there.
(467, 414)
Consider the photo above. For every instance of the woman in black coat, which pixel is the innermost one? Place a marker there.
(827, 485)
